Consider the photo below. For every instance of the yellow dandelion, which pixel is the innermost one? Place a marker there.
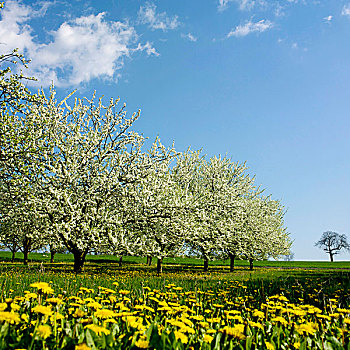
(219, 306)
(142, 343)
(104, 313)
(25, 318)
(280, 319)
(325, 317)
(82, 346)
(208, 338)
(98, 329)
(15, 307)
(124, 292)
(10, 317)
(258, 314)
(308, 328)
(236, 331)
(43, 287)
(94, 305)
(180, 336)
(45, 310)
(44, 331)
(269, 346)
(204, 324)
(78, 313)
(110, 320)
(54, 301)
(255, 324)
(235, 317)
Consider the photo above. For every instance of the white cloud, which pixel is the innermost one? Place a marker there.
(276, 6)
(346, 10)
(81, 49)
(279, 10)
(242, 4)
(189, 37)
(250, 27)
(223, 4)
(150, 50)
(148, 15)
(13, 30)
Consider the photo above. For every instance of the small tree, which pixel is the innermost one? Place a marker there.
(289, 256)
(332, 243)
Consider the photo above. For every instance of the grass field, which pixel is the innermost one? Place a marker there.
(278, 305)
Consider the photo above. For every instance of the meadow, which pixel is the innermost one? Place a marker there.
(286, 306)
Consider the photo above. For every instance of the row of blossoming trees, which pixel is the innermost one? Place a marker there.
(75, 176)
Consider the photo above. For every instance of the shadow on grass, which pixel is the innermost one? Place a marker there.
(112, 267)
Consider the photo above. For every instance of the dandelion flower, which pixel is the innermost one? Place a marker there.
(180, 336)
(55, 301)
(258, 314)
(44, 331)
(236, 331)
(98, 329)
(269, 346)
(45, 310)
(280, 320)
(82, 346)
(43, 287)
(104, 313)
(142, 343)
(207, 338)
(10, 317)
(308, 328)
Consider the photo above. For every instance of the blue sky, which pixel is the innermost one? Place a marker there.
(265, 82)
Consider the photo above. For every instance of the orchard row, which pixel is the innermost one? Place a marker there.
(77, 177)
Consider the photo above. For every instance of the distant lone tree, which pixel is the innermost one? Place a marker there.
(289, 257)
(332, 243)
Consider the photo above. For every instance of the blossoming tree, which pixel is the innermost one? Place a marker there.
(84, 180)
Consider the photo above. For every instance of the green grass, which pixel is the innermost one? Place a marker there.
(16, 278)
(309, 283)
(247, 290)
(100, 270)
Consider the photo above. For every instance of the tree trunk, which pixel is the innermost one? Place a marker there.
(52, 256)
(25, 256)
(79, 259)
(26, 247)
(331, 256)
(251, 264)
(13, 256)
(159, 265)
(232, 262)
(206, 264)
(120, 260)
(149, 260)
